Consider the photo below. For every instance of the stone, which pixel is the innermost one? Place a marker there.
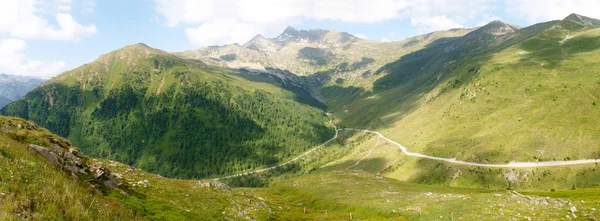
(213, 184)
(74, 162)
(104, 176)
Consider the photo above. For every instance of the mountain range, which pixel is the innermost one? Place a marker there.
(289, 115)
(13, 87)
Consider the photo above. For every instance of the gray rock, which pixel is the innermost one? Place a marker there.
(73, 162)
(213, 184)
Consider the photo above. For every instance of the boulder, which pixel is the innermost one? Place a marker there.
(213, 184)
(74, 162)
(105, 177)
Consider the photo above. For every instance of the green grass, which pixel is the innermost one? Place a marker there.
(334, 195)
(33, 189)
(495, 106)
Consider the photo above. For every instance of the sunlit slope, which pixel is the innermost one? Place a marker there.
(35, 186)
(31, 188)
(176, 117)
(516, 99)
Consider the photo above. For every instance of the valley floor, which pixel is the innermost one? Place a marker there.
(419, 155)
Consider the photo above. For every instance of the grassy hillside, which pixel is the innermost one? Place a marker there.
(33, 189)
(336, 195)
(175, 117)
(523, 96)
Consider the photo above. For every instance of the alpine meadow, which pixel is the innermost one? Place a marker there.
(460, 116)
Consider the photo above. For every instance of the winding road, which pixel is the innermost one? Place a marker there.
(408, 153)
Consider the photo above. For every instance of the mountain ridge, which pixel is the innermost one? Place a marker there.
(13, 87)
(164, 102)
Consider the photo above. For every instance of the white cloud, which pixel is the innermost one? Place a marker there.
(434, 15)
(487, 19)
(274, 11)
(88, 6)
(229, 21)
(221, 31)
(64, 8)
(384, 39)
(13, 60)
(535, 11)
(426, 24)
(361, 35)
(246, 18)
(27, 19)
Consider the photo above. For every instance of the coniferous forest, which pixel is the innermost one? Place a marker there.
(189, 130)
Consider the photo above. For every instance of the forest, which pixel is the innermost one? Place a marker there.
(194, 130)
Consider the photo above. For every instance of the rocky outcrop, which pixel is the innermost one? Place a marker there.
(75, 163)
(104, 176)
(213, 184)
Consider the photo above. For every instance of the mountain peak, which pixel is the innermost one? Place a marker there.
(290, 29)
(573, 16)
(497, 27)
(140, 48)
(258, 37)
(131, 52)
(258, 43)
(582, 20)
(141, 45)
(292, 34)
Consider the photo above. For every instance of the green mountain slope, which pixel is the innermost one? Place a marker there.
(518, 95)
(31, 188)
(173, 116)
(318, 57)
(34, 186)
(54, 184)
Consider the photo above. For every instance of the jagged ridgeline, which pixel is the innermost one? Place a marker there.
(172, 116)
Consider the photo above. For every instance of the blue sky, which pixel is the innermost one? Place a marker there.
(45, 37)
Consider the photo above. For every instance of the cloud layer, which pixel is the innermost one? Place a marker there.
(236, 21)
(210, 22)
(23, 19)
(37, 20)
(535, 11)
(231, 21)
(14, 60)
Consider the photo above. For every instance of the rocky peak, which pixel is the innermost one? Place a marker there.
(258, 43)
(582, 20)
(497, 28)
(292, 34)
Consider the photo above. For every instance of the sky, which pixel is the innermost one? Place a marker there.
(43, 38)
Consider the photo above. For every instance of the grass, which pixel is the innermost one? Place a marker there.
(168, 199)
(496, 107)
(334, 195)
(32, 189)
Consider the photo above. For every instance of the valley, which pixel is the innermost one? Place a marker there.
(491, 122)
(325, 194)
